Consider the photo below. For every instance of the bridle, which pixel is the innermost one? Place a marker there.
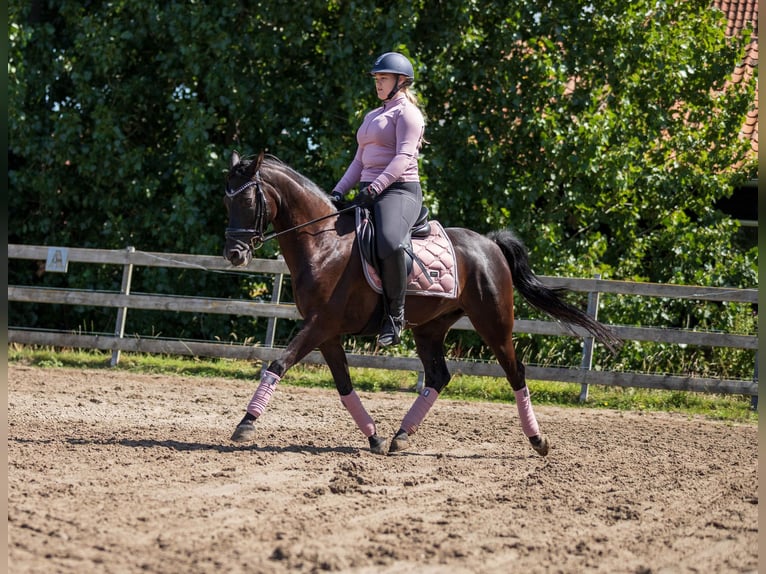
(253, 238)
(250, 237)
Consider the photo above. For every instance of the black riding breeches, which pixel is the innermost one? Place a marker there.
(395, 212)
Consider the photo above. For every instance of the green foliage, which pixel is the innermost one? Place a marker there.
(602, 135)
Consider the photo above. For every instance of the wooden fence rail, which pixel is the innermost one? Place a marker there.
(584, 375)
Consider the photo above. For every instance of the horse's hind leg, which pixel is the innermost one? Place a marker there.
(335, 357)
(515, 374)
(527, 417)
(429, 340)
(497, 333)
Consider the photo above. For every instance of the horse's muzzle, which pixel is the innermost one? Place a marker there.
(237, 252)
(240, 244)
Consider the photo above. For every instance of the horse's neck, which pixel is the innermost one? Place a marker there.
(305, 249)
(310, 247)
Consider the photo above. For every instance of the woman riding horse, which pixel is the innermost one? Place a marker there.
(386, 163)
(334, 298)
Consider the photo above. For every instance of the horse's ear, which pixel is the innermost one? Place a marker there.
(260, 160)
(234, 159)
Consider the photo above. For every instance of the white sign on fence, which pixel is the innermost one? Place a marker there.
(58, 260)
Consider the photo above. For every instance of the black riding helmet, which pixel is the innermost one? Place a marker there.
(394, 63)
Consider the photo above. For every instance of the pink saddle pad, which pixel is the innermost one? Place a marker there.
(438, 257)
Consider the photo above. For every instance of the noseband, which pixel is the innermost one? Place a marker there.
(250, 237)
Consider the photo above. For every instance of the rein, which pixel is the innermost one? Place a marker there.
(255, 234)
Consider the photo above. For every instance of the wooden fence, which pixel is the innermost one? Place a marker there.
(125, 300)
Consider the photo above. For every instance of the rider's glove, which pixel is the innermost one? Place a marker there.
(367, 196)
(337, 199)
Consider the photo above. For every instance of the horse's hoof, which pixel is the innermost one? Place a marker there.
(540, 444)
(399, 442)
(245, 432)
(377, 444)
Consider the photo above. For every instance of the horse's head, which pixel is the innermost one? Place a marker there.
(246, 206)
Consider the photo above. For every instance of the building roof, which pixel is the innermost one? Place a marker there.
(741, 14)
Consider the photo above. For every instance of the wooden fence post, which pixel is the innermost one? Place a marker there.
(587, 347)
(754, 398)
(122, 312)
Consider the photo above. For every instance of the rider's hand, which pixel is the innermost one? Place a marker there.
(367, 196)
(337, 199)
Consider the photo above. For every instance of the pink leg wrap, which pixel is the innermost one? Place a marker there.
(363, 420)
(419, 410)
(263, 393)
(526, 414)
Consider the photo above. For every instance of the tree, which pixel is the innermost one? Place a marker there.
(602, 134)
(585, 129)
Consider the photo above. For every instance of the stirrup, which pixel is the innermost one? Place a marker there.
(389, 332)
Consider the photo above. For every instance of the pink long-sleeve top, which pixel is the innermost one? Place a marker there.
(388, 143)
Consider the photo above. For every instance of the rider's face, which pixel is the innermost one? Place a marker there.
(384, 83)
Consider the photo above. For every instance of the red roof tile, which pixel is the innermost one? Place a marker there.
(741, 14)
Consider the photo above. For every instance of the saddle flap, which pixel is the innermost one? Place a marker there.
(365, 237)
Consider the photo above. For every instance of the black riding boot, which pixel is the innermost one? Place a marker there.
(394, 277)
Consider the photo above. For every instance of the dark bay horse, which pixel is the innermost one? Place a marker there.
(334, 298)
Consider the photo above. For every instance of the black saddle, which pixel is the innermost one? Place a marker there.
(422, 227)
(365, 235)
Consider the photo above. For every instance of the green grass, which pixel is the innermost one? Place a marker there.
(733, 408)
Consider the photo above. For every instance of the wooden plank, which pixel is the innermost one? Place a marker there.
(77, 254)
(645, 380)
(149, 259)
(153, 302)
(207, 263)
(687, 337)
(663, 290)
(628, 333)
(474, 368)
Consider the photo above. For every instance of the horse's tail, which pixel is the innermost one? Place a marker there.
(546, 299)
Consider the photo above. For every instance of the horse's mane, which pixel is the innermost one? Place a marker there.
(274, 163)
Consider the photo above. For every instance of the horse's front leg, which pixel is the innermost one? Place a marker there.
(304, 342)
(335, 357)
